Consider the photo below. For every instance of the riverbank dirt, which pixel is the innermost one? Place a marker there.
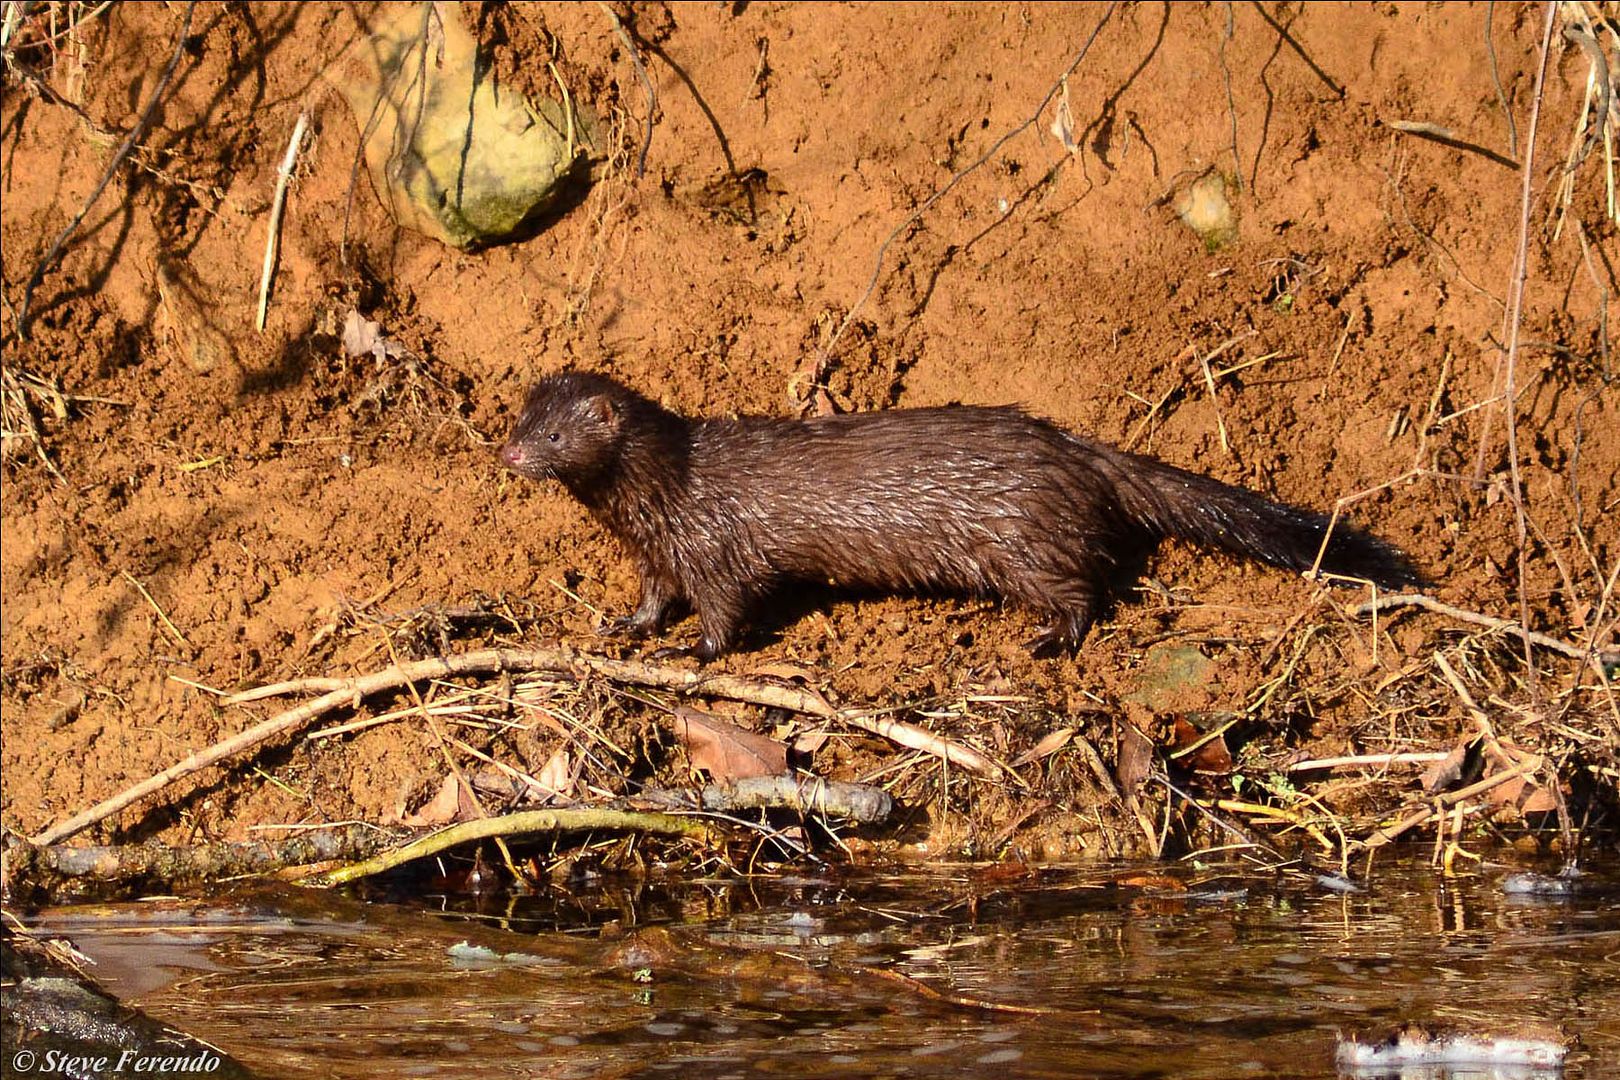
(227, 508)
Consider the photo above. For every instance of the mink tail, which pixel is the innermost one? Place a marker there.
(1174, 502)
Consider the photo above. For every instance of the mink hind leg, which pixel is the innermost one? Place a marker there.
(1071, 600)
(721, 621)
(1064, 635)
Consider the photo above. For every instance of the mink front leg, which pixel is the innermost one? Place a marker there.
(658, 596)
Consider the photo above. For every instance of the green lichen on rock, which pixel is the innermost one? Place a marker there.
(450, 153)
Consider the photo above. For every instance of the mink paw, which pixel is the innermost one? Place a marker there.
(704, 651)
(1050, 644)
(625, 626)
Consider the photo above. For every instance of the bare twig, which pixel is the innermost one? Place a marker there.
(277, 207)
(48, 263)
(1429, 603)
(1367, 761)
(1496, 81)
(1447, 137)
(162, 616)
(529, 821)
(1418, 817)
(1481, 718)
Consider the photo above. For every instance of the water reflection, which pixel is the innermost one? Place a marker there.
(784, 977)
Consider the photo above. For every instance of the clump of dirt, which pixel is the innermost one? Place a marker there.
(192, 506)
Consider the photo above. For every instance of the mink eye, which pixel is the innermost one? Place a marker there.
(555, 437)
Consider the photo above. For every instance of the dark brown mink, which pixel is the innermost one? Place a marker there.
(980, 501)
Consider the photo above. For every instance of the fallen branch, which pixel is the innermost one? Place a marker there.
(860, 803)
(529, 821)
(558, 661)
(641, 673)
(1386, 835)
(156, 865)
(1606, 657)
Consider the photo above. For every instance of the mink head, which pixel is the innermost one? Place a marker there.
(571, 428)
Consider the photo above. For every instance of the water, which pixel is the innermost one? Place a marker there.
(1237, 977)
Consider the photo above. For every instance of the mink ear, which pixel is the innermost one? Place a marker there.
(602, 409)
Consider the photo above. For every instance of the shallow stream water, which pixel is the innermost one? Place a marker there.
(1239, 975)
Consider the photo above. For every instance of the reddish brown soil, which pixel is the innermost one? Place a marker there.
(1370, 271)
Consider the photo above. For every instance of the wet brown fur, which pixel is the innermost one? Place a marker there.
(962, 500)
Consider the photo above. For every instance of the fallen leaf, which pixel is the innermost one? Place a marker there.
(1063, 122)
(447, 806)
(1051, 743)
(1214, 757)
(1134, 759)
(808, 742)
(785, 671)
(361, 336)
(725, 751)
(1449, 769)
(557, 775)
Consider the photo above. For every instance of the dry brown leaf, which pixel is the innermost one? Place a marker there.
(447, 806)
(808, 742)
(1214, 757)
(725, 751)
(1135, 758)
(1051, 743)
(783, 670)
(1448, 770)
(557, 775)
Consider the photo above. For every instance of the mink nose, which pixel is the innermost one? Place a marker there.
(512, 455)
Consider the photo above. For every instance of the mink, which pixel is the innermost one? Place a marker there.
(720, 514)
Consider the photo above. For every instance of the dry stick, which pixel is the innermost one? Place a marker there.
(173, 629)
(1447, 137)
(277, 207)
(1418, 817)
(1231, 103)
(825, 351)
(1514, 315)
(449, 759)
(558, 661)
(1422, 757)
(19, 398)
(640, 673)
(1429, 603)
(1481, 717)
(49, 261)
